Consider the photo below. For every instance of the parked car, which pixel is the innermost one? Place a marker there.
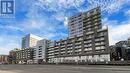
(3, 63)
(0, 63)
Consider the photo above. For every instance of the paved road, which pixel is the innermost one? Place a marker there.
(63, 69)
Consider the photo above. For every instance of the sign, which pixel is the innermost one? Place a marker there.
(7, 8)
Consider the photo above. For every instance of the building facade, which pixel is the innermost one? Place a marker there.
(40, 51)
(87, 41)
(12, 56)
(30, 40)
(129, 41)
(84, 22)
(122, 43)
(25, 55)
(75, 25)
(120, 51)
(3, 59)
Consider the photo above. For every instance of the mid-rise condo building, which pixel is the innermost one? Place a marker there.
(41, 50)
(87, 41)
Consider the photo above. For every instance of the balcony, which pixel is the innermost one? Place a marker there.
(78, 43)
(70, 48)
(87, 45)
(90, 19)
(87, 49)
(56, 50)
(77, 47)
(62, 46)
(50, 51)
(56, 53)
(90, 32)
(69, 45)
(63, 49)
(87, 42)
(100, 44)
(62, 52)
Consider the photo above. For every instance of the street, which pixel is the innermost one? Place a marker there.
(63, 69)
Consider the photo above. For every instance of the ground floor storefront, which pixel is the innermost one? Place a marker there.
(81, 59)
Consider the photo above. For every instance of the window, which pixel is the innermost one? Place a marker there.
(40, 54)
(40, 46)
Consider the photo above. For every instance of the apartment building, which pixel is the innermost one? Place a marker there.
(30, 40)
(12, 56)
(84, 22)
(40, 50)
(87, 41)
(25, 55)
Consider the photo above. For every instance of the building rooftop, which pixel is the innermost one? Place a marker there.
(34, 36)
